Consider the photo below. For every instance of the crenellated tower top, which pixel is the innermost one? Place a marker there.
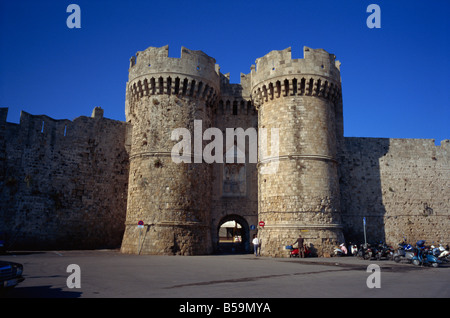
(277, 74)
(153, 72)
(156, 60)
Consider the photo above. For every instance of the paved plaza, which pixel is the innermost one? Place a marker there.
(111, 274)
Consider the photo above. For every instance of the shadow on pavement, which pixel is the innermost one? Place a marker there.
(38, 292)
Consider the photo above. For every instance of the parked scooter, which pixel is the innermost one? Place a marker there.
(338, 252)
(362, 252)
(423, 256)
(371, 252)
(384, 251)
(354, 249)
(366, 252)
(404, 252)
(444, 255)
(341, 250)
(295, 253)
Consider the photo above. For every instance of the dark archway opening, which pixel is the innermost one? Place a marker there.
(233, 235)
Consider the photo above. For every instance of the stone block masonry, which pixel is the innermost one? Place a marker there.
(172, 199)
(301, 99)
(401, 186)
(87, 183)
(63, 183)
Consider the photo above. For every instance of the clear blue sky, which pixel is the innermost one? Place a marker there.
(395, 79)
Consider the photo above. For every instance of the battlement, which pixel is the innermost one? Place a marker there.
(153, 72)
(235, 98)
(42, 126)
(280, 64)
(277, 74)
(156, 60)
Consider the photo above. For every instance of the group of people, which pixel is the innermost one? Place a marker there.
(299, 243)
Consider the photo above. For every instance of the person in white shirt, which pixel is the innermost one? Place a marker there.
(256, 245)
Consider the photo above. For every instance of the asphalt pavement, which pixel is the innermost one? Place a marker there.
(111, 274)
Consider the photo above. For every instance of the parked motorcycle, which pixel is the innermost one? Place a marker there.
(424, 256)
(354, 249)
(384, 251)
(404, 252)
(361, 251)
(295, 253)
(371, 252)
(444, 255)
(366, 252)
(341, 250)
(338, 252)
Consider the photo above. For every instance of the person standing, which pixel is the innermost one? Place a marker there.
(301, 249)
(256, 245)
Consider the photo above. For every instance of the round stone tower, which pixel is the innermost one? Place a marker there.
(298, 179)
(171, 197)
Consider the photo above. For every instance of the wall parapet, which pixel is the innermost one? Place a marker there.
(279, 63)
(277, 74)
(194, 74)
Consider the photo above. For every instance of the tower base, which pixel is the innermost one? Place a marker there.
(167, 238)
(320, 239)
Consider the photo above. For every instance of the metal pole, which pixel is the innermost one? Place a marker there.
(140, 234)
(364, 223)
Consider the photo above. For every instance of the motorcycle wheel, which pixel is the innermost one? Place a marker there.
(397, 259)
(416, 262)
(366, 256)
(435, 264)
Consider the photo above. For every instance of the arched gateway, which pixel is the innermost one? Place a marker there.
(233, 235)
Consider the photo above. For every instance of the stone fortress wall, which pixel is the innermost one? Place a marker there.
(86, 183)
(63, 183)
(401, 187)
